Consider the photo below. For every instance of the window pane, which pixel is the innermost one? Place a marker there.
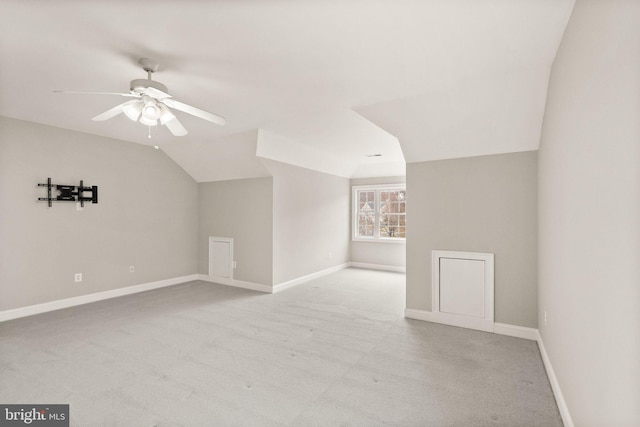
(367, 231)
(392, 225)
(386, 226)
(366, 196)
(390, 199)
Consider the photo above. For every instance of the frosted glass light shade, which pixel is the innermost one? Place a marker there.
(132, 110)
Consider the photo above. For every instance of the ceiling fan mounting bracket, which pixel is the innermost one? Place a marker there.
(149, 65)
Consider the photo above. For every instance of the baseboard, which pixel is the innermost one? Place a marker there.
(461, 322)
(236, 283)
(555, 385)
(383, 267)
(30, 310)
(412, 313)
(295, 282)
(516, 331)
(271, 289)
(496, 328)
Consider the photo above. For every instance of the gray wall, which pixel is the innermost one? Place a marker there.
(393, 254)
(476, 204)
(590, 215)
(146, 215)
(310, 220)
(242, 209)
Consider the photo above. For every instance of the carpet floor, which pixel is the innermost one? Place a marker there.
(335, 351)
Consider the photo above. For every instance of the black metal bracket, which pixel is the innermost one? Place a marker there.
(69, 193)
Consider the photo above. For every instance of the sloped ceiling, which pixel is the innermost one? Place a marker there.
(339, 142)
(319, 84)
(498, 113)
(220, 159)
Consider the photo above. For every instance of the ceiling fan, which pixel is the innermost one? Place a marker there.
(152, 104)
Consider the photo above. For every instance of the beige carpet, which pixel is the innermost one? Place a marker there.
(334, 351)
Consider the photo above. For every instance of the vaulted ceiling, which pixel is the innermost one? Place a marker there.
(319, 84)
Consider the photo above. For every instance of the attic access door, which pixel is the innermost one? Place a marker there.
(463, 289)
(221, 257)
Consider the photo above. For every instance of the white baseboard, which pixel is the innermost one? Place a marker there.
(236, 283)
(515, 331)
(271, 289)
(496, 328)
(451, 320)
(30, 310)
(294, 282)
(555, 385)
(412, 313)
(291, 283)
(368, 266)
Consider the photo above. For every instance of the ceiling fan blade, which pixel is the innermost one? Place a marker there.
(109, 113)
(213, 118)
(156, 93)
(130, 95)
(175, 127)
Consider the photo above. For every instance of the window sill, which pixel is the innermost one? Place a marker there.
(379, 240)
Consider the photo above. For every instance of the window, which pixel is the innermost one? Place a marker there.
(379, 212)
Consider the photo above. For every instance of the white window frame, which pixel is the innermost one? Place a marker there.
(377, 189)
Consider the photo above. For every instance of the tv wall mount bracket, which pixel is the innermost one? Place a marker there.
(69, 193)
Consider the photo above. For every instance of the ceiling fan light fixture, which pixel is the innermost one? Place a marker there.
(133, 110)
(150, 110)
(148, 122)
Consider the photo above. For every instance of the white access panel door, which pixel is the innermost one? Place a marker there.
(462, 286)
(220, 256)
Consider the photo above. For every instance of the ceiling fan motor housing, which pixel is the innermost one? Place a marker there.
(140, 85)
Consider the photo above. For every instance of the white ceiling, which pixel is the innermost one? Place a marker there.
(319, 84)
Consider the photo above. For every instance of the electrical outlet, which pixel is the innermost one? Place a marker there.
(545, 318)
(234, 264)
(132, 269)
(78, 277)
